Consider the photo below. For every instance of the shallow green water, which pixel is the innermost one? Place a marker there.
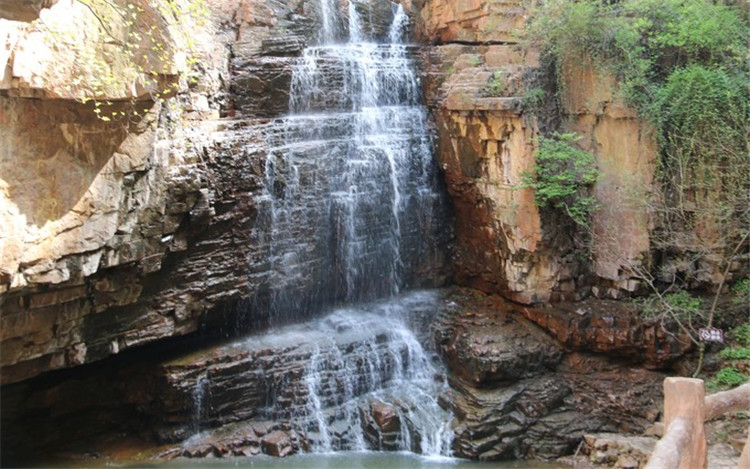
(357, 460)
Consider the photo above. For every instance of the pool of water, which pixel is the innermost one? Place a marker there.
(358, 460)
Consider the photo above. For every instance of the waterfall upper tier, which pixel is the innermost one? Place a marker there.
(351, 208)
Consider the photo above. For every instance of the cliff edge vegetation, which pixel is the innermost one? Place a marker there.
(682, 65)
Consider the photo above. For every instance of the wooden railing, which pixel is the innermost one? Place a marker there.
(686, 407)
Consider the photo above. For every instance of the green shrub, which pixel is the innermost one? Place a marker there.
(683, 300)
(476, 60)
(496, 85)
(682, 304)
(733, 354)
(741, 334)
(729, 376)
(533, 99)
(562, 176)
(702, 115)
(741, 288)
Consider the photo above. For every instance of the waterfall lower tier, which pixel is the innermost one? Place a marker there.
(357, 379)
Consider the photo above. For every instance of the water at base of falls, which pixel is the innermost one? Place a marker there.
(362, 460)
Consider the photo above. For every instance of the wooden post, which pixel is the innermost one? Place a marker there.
(669, 450)
(744, 462)
(685, 398)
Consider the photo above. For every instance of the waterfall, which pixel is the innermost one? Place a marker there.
(350, 213)
(199, 397)
(350, 208)
(360, 357)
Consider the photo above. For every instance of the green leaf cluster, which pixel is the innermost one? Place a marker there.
(734, 354)
(741, 289)
(681, 304)
(497, 84)
(728, 377)
(741, 334)
(683, 65)
(562, 176)
(739, 356)
(702, 114)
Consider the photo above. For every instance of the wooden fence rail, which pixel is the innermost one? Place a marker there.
(686, 407)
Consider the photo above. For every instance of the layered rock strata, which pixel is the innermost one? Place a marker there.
(476, 79)
(96, 205)
(512, 391)
(515, 394)
(128, 219)
(355, 379)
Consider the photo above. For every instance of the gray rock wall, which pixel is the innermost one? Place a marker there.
(127, 230)
(123, 231)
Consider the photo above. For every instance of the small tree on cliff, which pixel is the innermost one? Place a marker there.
(563, 176)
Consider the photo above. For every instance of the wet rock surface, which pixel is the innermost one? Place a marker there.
(512, 391)
(537, 403)
(336, 384)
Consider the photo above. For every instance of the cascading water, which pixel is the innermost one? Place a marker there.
(359, 359)
(199, 398)
(350, 213)
(350, 207)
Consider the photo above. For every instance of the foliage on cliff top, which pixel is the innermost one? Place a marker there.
(643, 41)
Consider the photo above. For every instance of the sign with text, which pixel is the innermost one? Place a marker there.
(711, 334)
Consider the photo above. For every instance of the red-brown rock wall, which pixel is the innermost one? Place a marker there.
(478, 74)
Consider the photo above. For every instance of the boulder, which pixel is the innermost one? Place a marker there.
(484, 342)
(278, 444)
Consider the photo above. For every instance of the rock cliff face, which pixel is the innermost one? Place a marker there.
(515, 394)
(475, 87)
(125, 230)
(479, 78)
(128, 218)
